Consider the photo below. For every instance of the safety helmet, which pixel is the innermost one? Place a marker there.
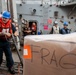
(65, 23)
(6, 14)
(55, 22)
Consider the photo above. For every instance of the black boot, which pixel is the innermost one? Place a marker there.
(11, 70)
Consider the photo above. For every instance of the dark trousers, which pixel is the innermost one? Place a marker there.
(5, 47)
(33, 32)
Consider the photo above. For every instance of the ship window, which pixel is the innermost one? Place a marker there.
(56, 14)
(20, 4)
(62, 17)
(75, 20)
(71, 17)
(69, 22)
(20, 16)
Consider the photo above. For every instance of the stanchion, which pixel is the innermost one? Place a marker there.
(21, 61)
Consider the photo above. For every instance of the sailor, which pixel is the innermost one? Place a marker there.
(65, 29)
(34, 28)
(5, 35)
(55, 29)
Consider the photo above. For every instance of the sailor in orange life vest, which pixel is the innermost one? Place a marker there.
(5, 35)
(33, 28)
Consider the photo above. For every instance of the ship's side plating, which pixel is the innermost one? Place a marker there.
(45, 12)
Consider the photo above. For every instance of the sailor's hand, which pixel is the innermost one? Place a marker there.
(16, 33)
(8, 34)
(2, 34)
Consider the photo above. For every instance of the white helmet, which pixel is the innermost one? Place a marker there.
(55, 22)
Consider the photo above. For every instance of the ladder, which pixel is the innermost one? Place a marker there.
(45, 14)
(72, 10)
